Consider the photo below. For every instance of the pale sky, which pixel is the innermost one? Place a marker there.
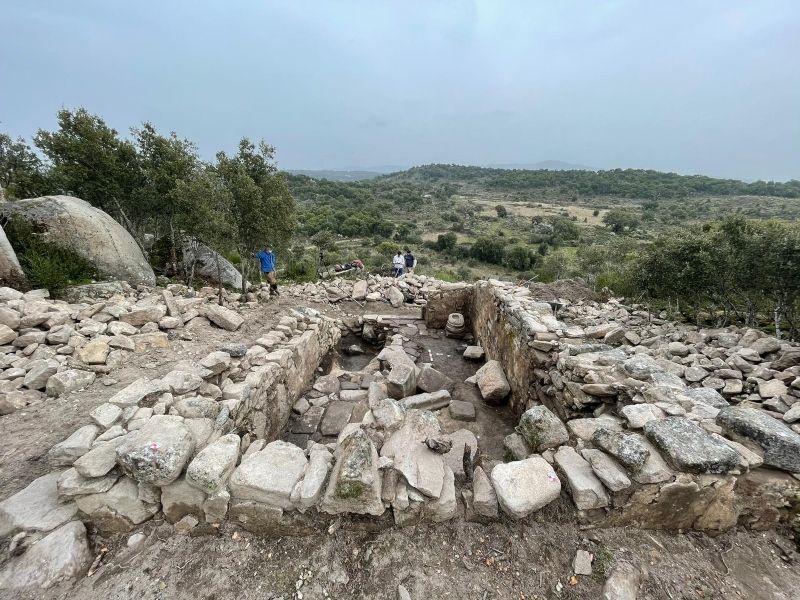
(702, 86)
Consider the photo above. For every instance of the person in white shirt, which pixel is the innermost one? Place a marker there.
(399, 264)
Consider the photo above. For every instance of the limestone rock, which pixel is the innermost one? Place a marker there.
(158, 451)
(223, 317)
(139, 390)
(432, 401)
(212, 466)
(93, 234)
(75, 446)
(216, 362)
(444, 507)
(179, 499)
(473, 353)
(314, 480)
(401, 382)
(94, 353)
(525, 486)
(182, 382)
(515, 447)
(395, 297)
(98, 461)
(143, 315)
(780, 444)
(492, 382)
(68, 381)
(423, 469)
(337, 415)
(587, 490)
(542, 429)
(355, 484)
(106, 415)
(38, 374)
(484, 499)
(269, 476)
(118, 509)
(389, 414)
(455, 458)
(609, 471)
(35, 508)
(623, 583)
(431, 380)
(72, 483)
(638, 415)
(63, 555)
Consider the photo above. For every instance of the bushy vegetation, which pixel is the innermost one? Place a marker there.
(44, 264)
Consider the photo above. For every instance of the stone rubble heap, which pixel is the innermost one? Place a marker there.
(641, 415)
(53, 347)
(408, 288)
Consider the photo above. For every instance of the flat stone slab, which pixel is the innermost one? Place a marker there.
(428, 401)
(780, 444)
(35, 508)
(690, 448)
(525, 486)
(309, 421)
(587, 489)
(337, 415)
(63, 555)
(139, 390)
(473, 353)
(462, 411)
(609, 471)
(269, 476)
(628, 449)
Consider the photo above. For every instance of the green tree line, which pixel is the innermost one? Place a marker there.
(157, 184)
(626, 183)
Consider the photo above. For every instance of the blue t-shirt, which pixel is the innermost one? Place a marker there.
(267, 260)
(410, 260)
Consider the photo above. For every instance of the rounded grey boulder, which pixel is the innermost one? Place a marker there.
(91, 233)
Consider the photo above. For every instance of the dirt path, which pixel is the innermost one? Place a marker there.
(507, 559)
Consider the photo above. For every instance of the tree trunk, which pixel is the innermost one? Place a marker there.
(219, 277)
(173, 251)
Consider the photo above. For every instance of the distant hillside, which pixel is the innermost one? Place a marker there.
(336, 175)
(552, 165)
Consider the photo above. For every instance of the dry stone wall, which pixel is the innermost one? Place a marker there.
(667, 426)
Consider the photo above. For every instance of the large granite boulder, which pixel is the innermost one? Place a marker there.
(212, 466)
(753, 427)
(689, 448)
(157, 452)
(11, 274)
(89, 232)
(542, 429)
(210, 265)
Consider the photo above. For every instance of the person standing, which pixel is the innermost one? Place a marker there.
(267, 259)
(411, 262)
(399, 264)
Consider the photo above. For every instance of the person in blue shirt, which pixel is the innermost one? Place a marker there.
(267, 259)
(411, 262)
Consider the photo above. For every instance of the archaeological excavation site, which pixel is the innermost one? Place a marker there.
(385, 438)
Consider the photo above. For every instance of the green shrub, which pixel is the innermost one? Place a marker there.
(44, 264)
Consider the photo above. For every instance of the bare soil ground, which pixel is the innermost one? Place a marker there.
(508, 559)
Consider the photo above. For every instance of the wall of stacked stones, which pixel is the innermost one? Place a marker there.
(650, 423)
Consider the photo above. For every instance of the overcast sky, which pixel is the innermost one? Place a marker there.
(707, 86)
